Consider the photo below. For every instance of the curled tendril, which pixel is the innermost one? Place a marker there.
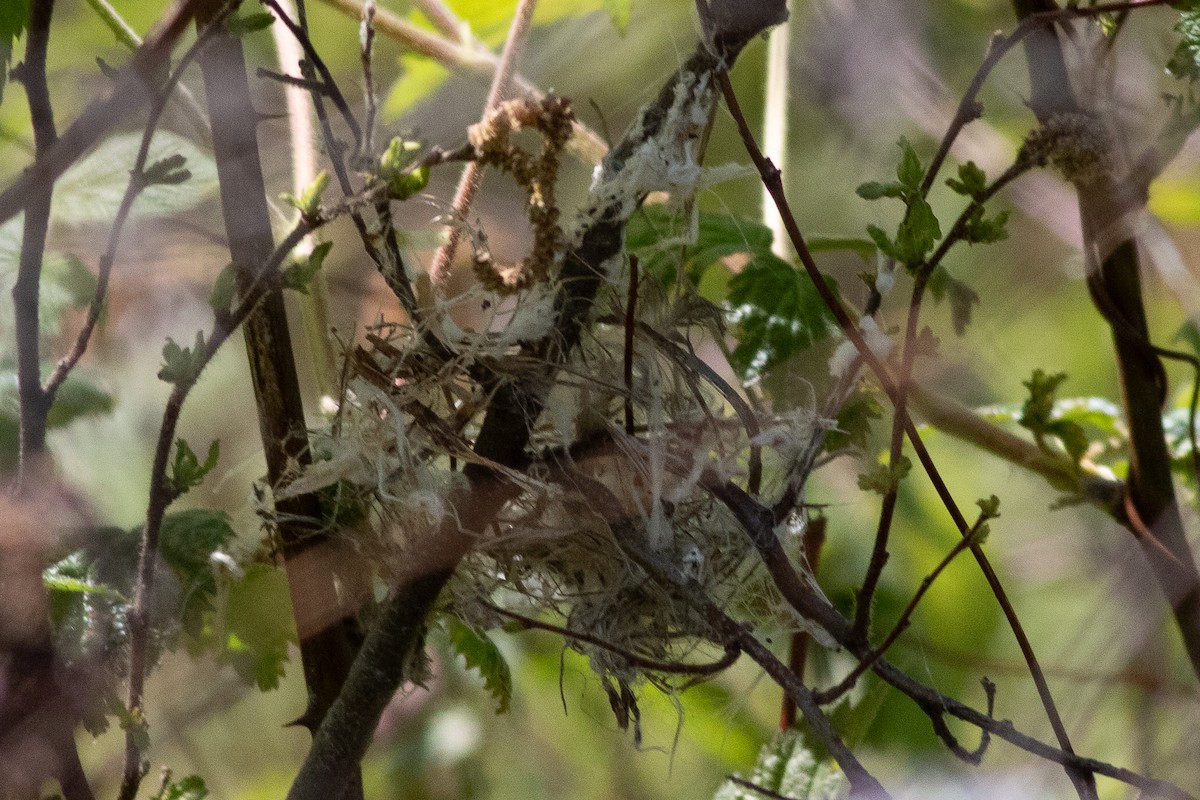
(536, 174)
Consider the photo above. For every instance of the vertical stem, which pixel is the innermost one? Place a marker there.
(314, 306)
(323, 621)
(35, 403)
(775, 129)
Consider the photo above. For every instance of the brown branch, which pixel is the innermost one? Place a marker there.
(35, 402)
(1116, 289)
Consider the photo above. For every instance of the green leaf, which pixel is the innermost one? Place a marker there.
(1185, 62)
(394, 171)
(482, 655)
(91, 190)
(77, 398)
(259, 625)
(240, 25)
(182, 365)
(224, 289)
(981, 230)
(1036, 413)
(300, 274)
(190, 788)
(884, 478)
(657, 233)
(309, 201)
(874, 190)
(918, 233)
(788, 767)
(60, 583)
(910, 173)
(186, 470)
(962, 297)
(778, 312)
(618, 12)
(885, 245)
(989, 508)
(971, 181)
(420, 78)
(14, 19)
(167, 171)
(863, 248)
(854, 422)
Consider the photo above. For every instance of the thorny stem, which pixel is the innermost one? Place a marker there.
(162, 494)
(770, 177)
(468, 184)
(811, 542)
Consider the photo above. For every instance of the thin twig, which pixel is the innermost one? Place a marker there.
(162, 494)
(634, 660)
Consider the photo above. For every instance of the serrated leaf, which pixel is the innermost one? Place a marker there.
(92, 188)
(190, 788)
(1185, 62)
(169, 171)
(259, 624)
(1037, 411)
(77, 398)
(182, 365)
(884, 478)
(778, 312)
(657, 235)
(300, 274)
(989, 507)
(910, 173)
(186, 470)
(788, 767)
(982, 230)
(482, 655)
(14, 19)
(854, 422)
(918, 233)
(971, 181)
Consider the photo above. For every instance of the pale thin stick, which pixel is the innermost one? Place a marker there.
(468, 184)
(314, 307)
(775, 131)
